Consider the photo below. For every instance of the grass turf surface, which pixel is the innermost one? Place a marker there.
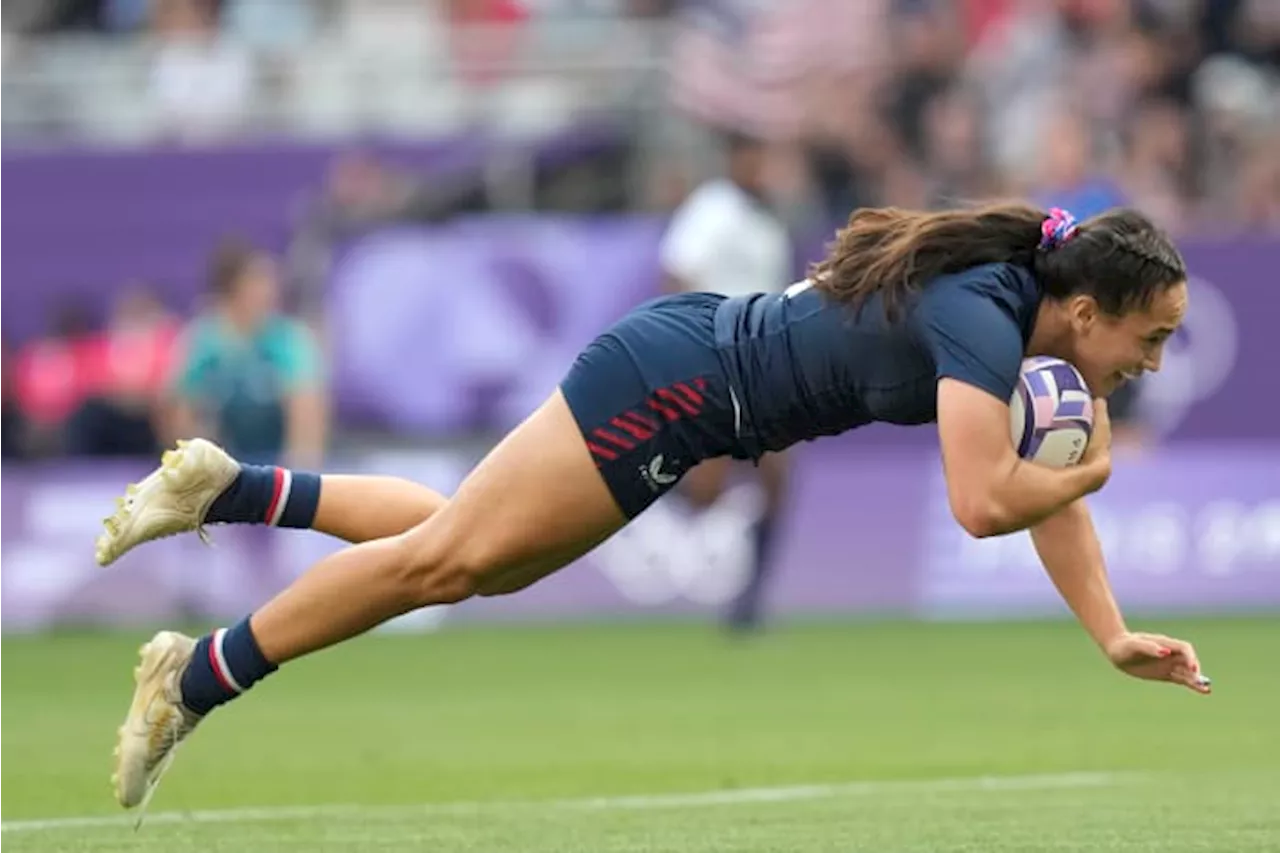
(492, 721)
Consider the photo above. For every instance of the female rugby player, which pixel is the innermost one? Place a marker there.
(911, 318)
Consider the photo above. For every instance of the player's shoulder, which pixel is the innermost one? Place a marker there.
(994, 277)
(1010, 287)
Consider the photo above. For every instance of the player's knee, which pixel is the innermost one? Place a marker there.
(440, 571)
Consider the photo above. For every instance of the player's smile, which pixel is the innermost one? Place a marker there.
(1114, 350)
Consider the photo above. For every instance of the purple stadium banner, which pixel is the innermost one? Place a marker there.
(472, 325)
(1193, 527)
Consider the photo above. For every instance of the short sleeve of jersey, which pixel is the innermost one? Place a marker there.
(972, 339)
(689, 245)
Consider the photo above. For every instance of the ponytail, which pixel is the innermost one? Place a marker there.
(891, 251)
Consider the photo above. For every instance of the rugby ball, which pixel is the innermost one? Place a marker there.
(1051, 412)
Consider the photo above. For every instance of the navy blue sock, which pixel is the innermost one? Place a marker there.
(265, 494)
(763, 532)
(225, 664)
(745, 611)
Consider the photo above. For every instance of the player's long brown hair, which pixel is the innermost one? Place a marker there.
(1119, 257)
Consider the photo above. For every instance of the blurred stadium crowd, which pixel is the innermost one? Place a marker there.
(1170, 105)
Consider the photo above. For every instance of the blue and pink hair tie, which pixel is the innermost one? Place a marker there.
(1057, 229)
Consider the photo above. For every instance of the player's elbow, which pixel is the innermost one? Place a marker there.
(982, 517)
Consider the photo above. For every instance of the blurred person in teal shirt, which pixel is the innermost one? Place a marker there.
(249, 376)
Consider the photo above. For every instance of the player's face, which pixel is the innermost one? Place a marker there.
(1112, 350)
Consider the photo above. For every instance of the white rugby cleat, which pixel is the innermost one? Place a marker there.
(173, 499)
(157, 721)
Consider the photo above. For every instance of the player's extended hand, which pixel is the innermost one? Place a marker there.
(1156, 657)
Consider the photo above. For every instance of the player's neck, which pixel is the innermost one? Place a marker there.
(1051, 331)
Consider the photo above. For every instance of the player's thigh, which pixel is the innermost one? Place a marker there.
(705, 482)
(536, 501)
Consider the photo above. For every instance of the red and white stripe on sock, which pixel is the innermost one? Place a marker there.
(218, 662)
(282, 484)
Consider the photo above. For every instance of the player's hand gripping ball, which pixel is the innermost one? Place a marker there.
(1051, 412)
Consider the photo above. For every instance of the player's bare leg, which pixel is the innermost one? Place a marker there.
(358, 508)
(533, 505)
(198, 483)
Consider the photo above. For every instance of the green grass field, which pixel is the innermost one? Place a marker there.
(562, 739)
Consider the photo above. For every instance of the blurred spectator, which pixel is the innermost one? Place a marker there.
(11, 428)
(1157, 162)
(126, 15)
(1070, 171)
(927, 50)
(45, 16)
(953, 152)
(490, 31)
(24, 17)
(271, 24)
(201, 82)
(126, 367)
(1168, 104)
(250, 377)
(52, 379)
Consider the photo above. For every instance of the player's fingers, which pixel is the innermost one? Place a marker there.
(1199, 683)
(1182, 674)
(1182, 649)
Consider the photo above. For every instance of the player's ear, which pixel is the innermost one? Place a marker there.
(1083, 312)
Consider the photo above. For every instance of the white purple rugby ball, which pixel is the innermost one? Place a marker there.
(1051, 412)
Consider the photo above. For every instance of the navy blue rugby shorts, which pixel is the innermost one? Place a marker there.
(652, 398)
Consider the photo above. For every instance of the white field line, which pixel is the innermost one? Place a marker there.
(693, 799)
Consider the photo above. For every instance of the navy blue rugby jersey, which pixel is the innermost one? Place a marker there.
(803, 366)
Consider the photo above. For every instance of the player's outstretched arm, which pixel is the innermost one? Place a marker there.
(991, 490)
(1072, 556)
